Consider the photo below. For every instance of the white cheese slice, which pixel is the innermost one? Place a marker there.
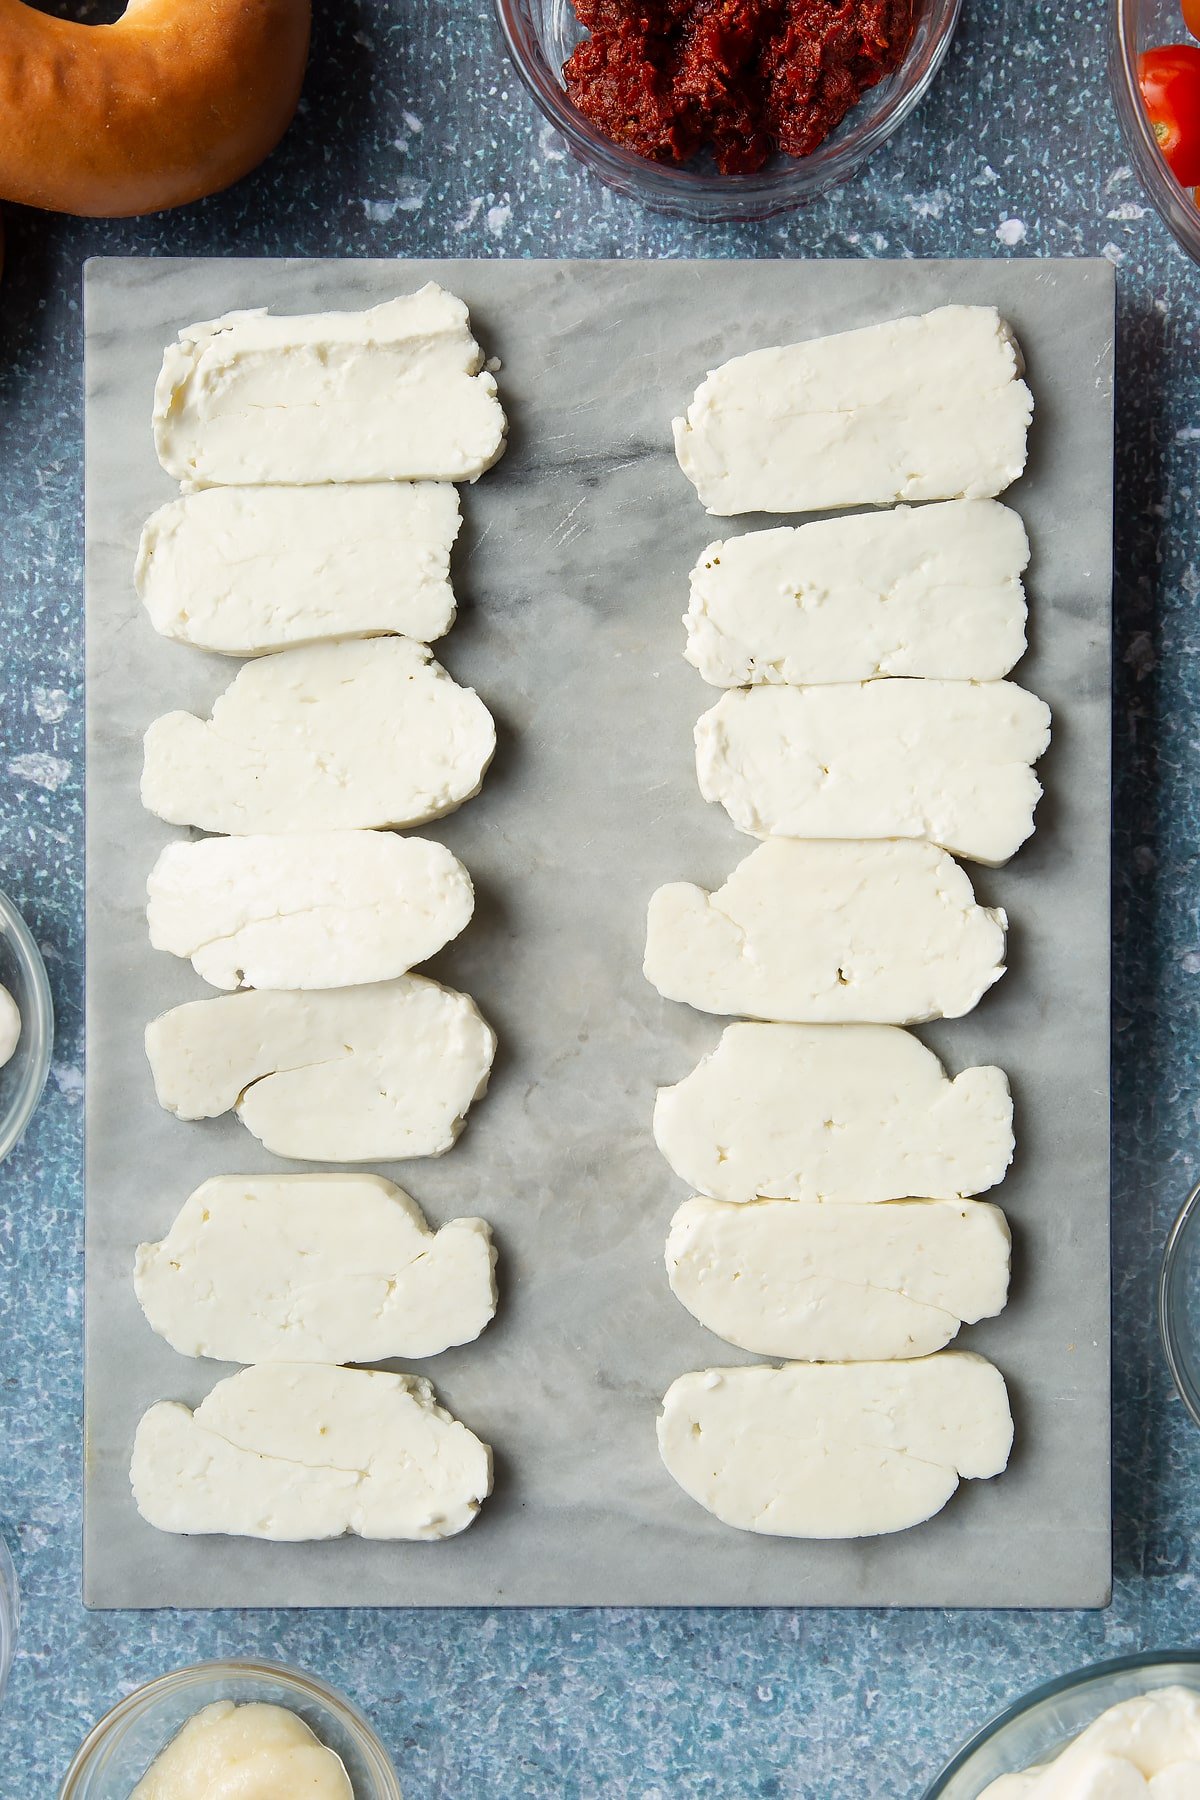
(929, 407)
(947, 761)
(931, 590)
(396, 393)
(243, 570)
(299, 1451)
(818, 1281)
(835, 1450)
(362, 1074)
(335, 737)
(314, 1268)
(315, 910)
(829, 932)
(251, 1751)
(833, 1112)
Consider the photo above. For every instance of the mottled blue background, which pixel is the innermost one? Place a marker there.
(415, 139)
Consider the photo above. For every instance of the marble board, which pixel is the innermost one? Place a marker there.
(572, 574)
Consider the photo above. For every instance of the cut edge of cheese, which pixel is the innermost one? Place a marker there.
(301, 1452)
(279, 912)
(847, 419)
(224, 568)
(835, 1450)
(828, 1281)
(931, 591)
(880, 931)
(278, 1100)
(321, 1268)
(733, 1130)
(208, 773)
(207, 353)
(771, 756)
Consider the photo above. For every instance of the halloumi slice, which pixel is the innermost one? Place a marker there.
(929, 407)
(314, 1268)
(396, 393)
(318, 909)
(928, 591)
(946, 761)
(859, 1113)
(835, 1450)
(829, 932)
(820, 1281)
(293, 1452)
(334, 737)
(363, 1074)
(246, 570)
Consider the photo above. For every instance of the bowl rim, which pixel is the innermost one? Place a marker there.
(1090, 1674)
(1178, 212)
(10, 1612)
(38, 1024)
(233, 1668)
(1167, 1271)
(676, 187)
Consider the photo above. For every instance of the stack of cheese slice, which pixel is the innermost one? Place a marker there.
(313, 531)
(867, 735)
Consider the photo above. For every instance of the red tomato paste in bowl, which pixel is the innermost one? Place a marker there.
(742, 78)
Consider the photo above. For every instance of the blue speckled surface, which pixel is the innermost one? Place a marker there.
(415, 139)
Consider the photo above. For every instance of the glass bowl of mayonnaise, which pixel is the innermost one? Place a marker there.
(26, 1026)
(264, 1728)
(1112, 1728)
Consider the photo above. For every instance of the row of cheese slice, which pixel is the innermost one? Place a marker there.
(866, 732)
(314, 455)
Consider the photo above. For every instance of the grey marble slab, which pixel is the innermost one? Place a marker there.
(572, 570)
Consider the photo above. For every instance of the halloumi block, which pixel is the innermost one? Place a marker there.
(333, 737)
(246, 570)
(314, 1268)
(362, 1074)
(858, 1113)
(829, 932)
(946, 761)
(929, 407)
(835, 1450)
(293, 1452)
(928, 591)
(820, 1281)
(318, 909)
(396, 393)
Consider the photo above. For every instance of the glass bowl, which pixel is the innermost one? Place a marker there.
(1045, 1721)
(10, 1614)
(117, 1752)
(23, 973)
(1179, 1303)
(541, 34)
(1134, 26)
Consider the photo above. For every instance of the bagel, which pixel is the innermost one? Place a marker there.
(175, 100)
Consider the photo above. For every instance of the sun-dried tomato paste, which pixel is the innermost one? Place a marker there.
(745, 77)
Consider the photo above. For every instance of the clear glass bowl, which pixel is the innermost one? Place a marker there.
(118, 1751)
(1134, 26)
(10, 1614)
(1044, 1722)
(541, 34)
(23, 973)
(1179, 1303)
